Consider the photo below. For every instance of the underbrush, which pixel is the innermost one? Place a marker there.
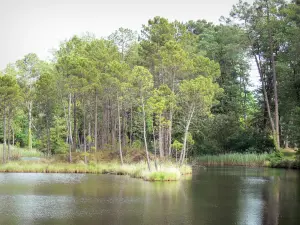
(16, 153)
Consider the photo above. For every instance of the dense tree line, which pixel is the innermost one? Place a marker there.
(175, 88)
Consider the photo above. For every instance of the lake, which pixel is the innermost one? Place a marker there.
(213, 196)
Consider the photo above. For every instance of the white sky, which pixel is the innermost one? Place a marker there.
(40, 25)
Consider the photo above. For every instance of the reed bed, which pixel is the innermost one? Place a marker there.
(234, 159)
(165, 172)
(21, 152)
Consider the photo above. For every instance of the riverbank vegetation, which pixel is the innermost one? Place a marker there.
(282, 159)
(234, 159)
(165, 172)
(17, 152)
(174, 90)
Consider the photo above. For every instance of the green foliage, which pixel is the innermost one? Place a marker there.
(137, 144)
(250, 142)
(177, 146)
(276, 157)
(180, 82)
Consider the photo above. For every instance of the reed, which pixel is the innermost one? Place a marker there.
(17, 152)
(233, 159)
(165, 172)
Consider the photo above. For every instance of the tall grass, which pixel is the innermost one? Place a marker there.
(233, 159)
(166, 172)
(21, 152)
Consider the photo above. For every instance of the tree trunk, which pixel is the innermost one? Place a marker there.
(70, 130)
(66, 117)
(4, 135)
(131, 118)
(277, 134)
(96, 122)
(75, 124)
(171, 116)
(119, 129)
(160, 139)
(124, 129)
(170, 132)
(154, 144)
(265, 95)
(13, 138)
(84, 134)
(183, 152)
(89, 142)
(29, 125)
(8, 138)
(48, 137)
(145, 134)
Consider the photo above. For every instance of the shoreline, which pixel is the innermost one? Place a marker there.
(284, 164)
(166, 172)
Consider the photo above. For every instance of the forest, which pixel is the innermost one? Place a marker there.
(172, 90)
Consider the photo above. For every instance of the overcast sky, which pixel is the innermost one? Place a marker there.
(40, 25)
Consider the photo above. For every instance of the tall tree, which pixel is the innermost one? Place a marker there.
(142, 81)
(9, 98)
(196, 96)
(29, 72)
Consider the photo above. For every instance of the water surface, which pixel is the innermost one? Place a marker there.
(216, 196)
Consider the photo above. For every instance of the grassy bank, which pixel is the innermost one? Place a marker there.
(166, 172)
(17, 153)
(234, 159)
(285, 164)
(287, 159)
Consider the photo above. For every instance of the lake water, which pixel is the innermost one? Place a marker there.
(216, 196)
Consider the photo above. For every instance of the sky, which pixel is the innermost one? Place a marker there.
(38, 26)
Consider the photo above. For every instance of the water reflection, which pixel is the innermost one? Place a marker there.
(215, 196)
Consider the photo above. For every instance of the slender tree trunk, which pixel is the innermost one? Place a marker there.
(171, 116)
(124, 128)
(29, 125)
(113, 132)
(70, 129)
(75, 124)
(160, 134)
(48, 137)
(96, 122)
(170, 132)
(4, 135)
(183, 152)
(277, 132)
(13, 138)
(119, 129)
(84, 134)
(8, 137)
(89, 142)
(131, 118)
(245, 101)
(265, 97)
(65, 114)
(154, 144)
(79, 140)
(145, 134)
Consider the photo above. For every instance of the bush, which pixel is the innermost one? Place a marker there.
(251, 142)
(276, 157)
